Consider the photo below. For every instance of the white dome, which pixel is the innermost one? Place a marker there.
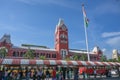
(115, 51)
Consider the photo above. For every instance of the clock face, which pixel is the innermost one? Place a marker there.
(63, 36)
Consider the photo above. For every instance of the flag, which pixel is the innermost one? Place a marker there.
(84, 16)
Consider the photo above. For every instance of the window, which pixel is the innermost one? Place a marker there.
(53, 55)
(15, 54)
(47, 55)
(21, 54)
(34, 54)
(37, 55)
(63, 53)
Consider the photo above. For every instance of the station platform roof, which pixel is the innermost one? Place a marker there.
(55, 62)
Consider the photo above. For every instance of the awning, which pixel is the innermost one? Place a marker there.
(55, 62)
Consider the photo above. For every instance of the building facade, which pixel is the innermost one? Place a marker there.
(61, 50)
(115, 54)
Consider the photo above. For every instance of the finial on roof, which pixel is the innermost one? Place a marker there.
(61, 22)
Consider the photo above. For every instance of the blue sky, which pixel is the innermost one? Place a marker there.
(34, 22)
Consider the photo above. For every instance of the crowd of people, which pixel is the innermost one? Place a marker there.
(38, 74)
(48, 73)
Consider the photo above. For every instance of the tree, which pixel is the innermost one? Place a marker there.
(68, 57)
(119, 59)
(75, 57)
(83, 57)
(42, 57)
(3, 52)
(112, 60)
(103, 58)
(29, 54)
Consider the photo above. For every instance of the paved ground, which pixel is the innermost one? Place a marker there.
(114, 77)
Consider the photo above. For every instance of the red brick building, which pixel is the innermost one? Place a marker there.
(61, 50)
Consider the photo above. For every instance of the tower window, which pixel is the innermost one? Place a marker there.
(63, 53)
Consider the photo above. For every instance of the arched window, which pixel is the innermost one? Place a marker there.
(14, 53)
(53, 55)
(47, 55)
(21, 54)
(17, 54)
(63, 53)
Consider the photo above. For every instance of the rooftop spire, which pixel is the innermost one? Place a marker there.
(6, 37)
(60, 25)
(96, 49)
(61, 22)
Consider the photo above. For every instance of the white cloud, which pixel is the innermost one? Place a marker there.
(114, 42)
(110, 34)
(104, 49)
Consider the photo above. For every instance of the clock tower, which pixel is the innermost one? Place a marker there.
(61, 40)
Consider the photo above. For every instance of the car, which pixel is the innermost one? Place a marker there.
(114, 72)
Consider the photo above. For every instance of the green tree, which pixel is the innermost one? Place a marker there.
(109, 60)
(112, 60)
(75, 57)
(29, 54)
(67, 58)
(83, 57)
(119, 59)
(103, 58)
(3, 52)
(42, 57)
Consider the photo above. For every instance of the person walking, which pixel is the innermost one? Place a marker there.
(28, 75)
(47, 74)
(6, 75)
(68, 74)
(57, 75)
(54, 74)
(39, 74)
(95, 73)
(34, 74)
(60, 76)
(0, 74)
(83, 73)
(76, 75)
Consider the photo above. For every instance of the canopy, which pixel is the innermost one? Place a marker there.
(55, 62)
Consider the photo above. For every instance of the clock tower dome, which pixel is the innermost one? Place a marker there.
(61, 40)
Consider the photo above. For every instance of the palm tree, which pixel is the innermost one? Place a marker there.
(42, 57)
(3, 52)
(83, 57)
(75, 57)
(103, 58)
(29, 54)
